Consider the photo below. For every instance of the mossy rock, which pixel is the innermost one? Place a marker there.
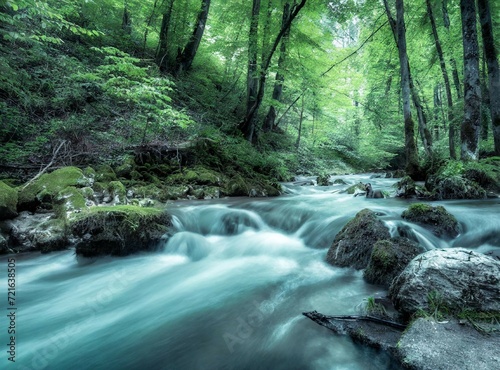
(437, 219)
(118, 192)
(196, 176)
(70, 199)
(359, 187)
(388, 259)
(339, 182)
(236, 186)
(51, 236)
(119, 230)
(8, 201)
(353, 245)
(45, 188)
(104, 173)
(455, 187)
(125, 168)
(406, 188)
(323, 179)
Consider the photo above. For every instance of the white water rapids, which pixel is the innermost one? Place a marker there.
(225, 292)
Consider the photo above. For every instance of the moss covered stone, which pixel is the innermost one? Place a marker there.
(70, 199)
(356, 188)
(8, 201)
(388, 259)
(119, 230)
(353, 245)
(118, 192)
(45, 188)
(104, 173)
(437, 219)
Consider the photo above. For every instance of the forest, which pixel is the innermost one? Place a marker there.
(195, 184)
(283, 87)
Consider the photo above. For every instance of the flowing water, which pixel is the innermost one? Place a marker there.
(225, 292)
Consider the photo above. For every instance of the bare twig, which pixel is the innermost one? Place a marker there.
(61, 144)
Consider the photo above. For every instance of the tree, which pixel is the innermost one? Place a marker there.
(442, 64)
(280, 77)
(471, 125)
(247, 126)
(186, 57)
(493, 69)
(162, 53)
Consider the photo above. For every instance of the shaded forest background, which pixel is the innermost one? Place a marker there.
(272, 86)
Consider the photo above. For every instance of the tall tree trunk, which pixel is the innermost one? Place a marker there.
(485, 94)
(437, 109)
(148, 25)
(442, 63)
(186, 58)
(126, 19)
(247, 126)
(399, 32)
(471, 125)
(162, 53)
(456, 79)
(493, 69)
(301, 119)
(280, 77)
(252, 74)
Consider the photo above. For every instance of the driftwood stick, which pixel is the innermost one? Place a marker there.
(324, 320)
(47, 166)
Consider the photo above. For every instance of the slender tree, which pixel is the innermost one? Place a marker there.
(442, 63)
(471, 125)
(493, 69)
(162, 53)
(280, 77)
(186, 57)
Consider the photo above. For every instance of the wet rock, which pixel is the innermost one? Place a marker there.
(356, 188)
(8, 201)
(406, 188)
(450, 280)
(437, 219)
(323, 179)
(388, 259)
(4, 248)
(119, 230)
(428, 345)
(353, 245)
(454, 187)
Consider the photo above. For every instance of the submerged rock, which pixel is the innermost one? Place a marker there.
(388, 259)
(438, 219)
(353, 245)
(448, 280)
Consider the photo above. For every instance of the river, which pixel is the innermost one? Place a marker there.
(225, 292)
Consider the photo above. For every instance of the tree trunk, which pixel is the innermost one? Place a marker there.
(442, 63)
(280, 77)
(471, 125)
(252, 75)
(493, 69)
(247, 126)
(485, 94)
(148, 25)
(186, 58)
(437, 109)
(301, 119)
(126, 19)
(398, 29)
(162, 53)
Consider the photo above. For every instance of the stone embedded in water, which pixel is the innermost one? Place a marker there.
(353, 245)
(437, 219)
(388, 259)
(449, 280)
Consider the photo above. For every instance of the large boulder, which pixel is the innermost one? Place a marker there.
(429, 345)
(118, 230)
(8, 202)
(438, 219)
(353, 245)
(451, 280)
(454, 187)
(42, 191)
(388, 259)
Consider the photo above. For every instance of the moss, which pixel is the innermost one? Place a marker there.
(104, 173)
(126, 167)
(69, 199)
(45, 188)
(8, 201)
(118, 192)
(89, 172)
(438, 219)
(196, 176)
(87, 192)
(356, 187)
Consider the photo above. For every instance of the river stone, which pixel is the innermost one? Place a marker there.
(428, 345)
(437, 219)
(353, 245)
(458, 279)
(388, 259)
(8, 201)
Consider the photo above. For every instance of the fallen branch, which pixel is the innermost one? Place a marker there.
(325, 320)
(61, 144)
